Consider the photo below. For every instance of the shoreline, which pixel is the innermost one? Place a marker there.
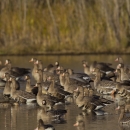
(67, 53)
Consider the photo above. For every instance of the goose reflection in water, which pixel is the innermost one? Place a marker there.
(51, 116)
(80, 122)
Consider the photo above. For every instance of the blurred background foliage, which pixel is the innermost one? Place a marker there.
(40, 26)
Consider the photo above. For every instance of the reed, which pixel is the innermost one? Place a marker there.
(64, 26)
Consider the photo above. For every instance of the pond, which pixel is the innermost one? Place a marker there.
(24, 116)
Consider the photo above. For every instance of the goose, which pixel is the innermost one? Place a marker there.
(57, 90)
(122, 103)
(82, 77)
(15, 71)
(118, 78)
(102, 66)
(44, 100)
(90, 103)
(62, 78)
(7, 88)
(119, 59)
(122, 91)
(101, 85)
(20, 94)
(35, 67)
(30, 88)
(105, 68)
(125, 76)
(71, 84)
(45, 83)
(86, 67)
(40, 64)
(46, 73)
(52, 68)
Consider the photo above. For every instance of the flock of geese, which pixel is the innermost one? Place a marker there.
(56, 85)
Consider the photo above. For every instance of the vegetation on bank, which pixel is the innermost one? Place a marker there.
(40, 26)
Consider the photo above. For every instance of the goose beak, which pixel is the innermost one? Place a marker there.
(116, 59)
(31, 60)
(10, 79)
(117, 108)
(25, 77)
(36, 62)
(76, 124)
(6, 62)
(36, 128)
(113, 93)
(76, 90)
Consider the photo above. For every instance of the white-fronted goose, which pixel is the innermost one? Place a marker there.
(44, 100)
(89, 70)
(90, 103)
(57, 90)
(17, 94)
(52, 68)
(125, 75)
(86, 67)
(119, 59)
(15, 71)
(123, 91)
(102, 66)
(118, 78)
(30, 88)
(35, 67)
(7, 88)
(71, 84)
(40, 64)
(45, 83)
(82, 77)
(101, 85)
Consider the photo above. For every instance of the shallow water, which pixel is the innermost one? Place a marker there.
(24, 117)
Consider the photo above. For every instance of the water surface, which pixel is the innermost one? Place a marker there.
(24, 117)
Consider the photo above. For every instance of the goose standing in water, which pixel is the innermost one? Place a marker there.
(30, 88)
(101, 85)
(71, 84)
(121, 61)
(125, 75)
(20, 94)
(14, 71)
(45, 83)
(35, 67)
(44, 100)
(7, 88)
(82, 77)
(90, 103)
